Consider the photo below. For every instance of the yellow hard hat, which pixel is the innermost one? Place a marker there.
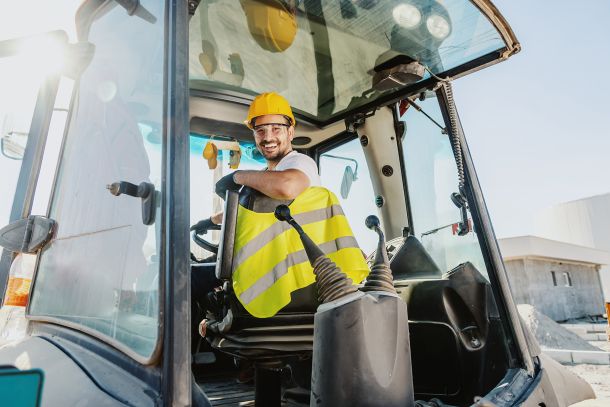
(269, 103)
(272, 23)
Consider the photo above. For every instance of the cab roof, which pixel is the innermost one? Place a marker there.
(338, 50)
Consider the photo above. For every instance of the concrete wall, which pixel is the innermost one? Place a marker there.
(532, 283)
(583, 222)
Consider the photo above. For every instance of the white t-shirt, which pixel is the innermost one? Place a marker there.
(301, 162)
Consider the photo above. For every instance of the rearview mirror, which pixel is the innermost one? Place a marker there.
(349, 176)
(13, 145)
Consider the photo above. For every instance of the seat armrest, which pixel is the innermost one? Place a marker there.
(224, 263)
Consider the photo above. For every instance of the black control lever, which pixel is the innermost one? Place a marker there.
(372, 222)
(380, 278)
(332, 283)
(282, 213)
(145, 191)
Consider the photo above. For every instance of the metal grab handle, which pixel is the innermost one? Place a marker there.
(145, 191)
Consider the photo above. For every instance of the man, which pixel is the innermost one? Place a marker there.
(288, 172)
(287, 175)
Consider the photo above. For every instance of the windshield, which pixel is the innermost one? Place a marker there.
(432, 176)
(321, 55)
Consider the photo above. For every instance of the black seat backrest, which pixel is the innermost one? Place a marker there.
(224, 258)
(258, 202)
(248, 198)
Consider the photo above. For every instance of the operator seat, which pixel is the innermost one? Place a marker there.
(286, 334)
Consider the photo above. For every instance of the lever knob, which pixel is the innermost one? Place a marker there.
(372, 222)
(380, 277)
(282, 213)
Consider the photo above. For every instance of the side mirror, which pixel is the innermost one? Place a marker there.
(349, 176)
(13, 145)
(27, 235)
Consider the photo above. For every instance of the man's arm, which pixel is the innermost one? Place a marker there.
(285, 184)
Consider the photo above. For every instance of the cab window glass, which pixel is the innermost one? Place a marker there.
(48, 167)
(343, 170)
(321, 54)
(19, 82)
(101, 273)
(204, 201)
(431, 178)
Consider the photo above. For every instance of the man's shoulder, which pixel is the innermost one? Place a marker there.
(295, 158)
(303, 163)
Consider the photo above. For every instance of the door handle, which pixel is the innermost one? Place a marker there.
(145, 191)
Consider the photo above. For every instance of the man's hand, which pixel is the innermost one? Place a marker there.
(203, 226)
(226, 183)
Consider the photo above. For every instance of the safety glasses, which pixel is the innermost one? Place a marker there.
(275, 128)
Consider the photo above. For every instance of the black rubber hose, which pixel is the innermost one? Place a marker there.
(454, 136)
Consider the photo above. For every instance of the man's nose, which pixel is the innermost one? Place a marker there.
(267, 132)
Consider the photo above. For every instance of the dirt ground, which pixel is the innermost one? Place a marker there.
(598, 376)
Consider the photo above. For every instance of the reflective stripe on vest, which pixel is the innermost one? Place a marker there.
(270, 261)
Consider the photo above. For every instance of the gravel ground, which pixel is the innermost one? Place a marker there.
(550, 334)
(598, 376)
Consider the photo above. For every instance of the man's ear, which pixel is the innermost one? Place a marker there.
(290, 133)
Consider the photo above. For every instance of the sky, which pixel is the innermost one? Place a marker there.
(535, 124)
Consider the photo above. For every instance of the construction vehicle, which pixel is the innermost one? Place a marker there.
(106, 292)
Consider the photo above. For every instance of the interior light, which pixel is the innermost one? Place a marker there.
(438, 26)
(406, 15)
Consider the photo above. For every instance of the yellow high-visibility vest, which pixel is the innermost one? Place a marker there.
(269, 260)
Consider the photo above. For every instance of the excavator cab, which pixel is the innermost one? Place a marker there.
(153, 116)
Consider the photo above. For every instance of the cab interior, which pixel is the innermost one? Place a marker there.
(366, 80)
(361, 78)
(457, 339)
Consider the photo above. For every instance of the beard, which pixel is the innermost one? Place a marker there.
(276, 153)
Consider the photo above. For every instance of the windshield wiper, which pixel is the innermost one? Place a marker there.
(432, 231)
(419, 109)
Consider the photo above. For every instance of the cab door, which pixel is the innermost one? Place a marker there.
(29, 79)
(114, 277)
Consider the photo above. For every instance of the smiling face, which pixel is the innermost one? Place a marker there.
(273, 136)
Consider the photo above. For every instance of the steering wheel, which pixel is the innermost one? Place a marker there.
(248, 198)
(203, 243)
